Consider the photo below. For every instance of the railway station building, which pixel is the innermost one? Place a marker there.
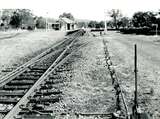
(64, 24)
(67, 24)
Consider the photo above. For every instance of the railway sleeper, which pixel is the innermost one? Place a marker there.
(23, 81)
(38, 68)
(33, 107)
(63, 69)
(9, 100)
(25, 78)
(42, 100)
(54, 81)
(34, 73)
(4, 111)
(48, 92)
(66, 66)
(58, 85)
(12, 93)
(8, 70)
(44, 103)
(17, 83)
(44, 87)
(48, 62)
(44, 64)
(41, 64)
(37, 71)
(20, 87)
(55, 76)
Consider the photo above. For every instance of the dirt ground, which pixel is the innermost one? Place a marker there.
(89, 90)
(17, 49)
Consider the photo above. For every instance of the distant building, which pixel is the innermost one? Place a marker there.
(63, 24)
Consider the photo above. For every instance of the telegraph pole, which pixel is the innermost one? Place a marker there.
(46, 21)
(1, 13)
(156, 30)
(105, 21)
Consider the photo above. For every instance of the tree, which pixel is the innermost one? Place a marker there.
(40, 22)
(82, 24)
(95, 24)
(123, 22)
(15, 20)
(22, 18)
(144, 19)
(92, 24)
(115, 14)
(6, 16)
(101, 24)
(110, 24)
(26, 16)
(67, 15)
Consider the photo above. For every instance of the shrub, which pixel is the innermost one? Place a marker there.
(30, 28)
(143, 31)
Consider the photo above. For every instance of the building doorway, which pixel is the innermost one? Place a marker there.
(68, 27)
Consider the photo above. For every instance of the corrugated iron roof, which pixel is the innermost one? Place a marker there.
(67, 20)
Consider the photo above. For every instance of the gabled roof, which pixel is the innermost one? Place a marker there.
(64, 19)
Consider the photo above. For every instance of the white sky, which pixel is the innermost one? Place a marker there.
(82, 9)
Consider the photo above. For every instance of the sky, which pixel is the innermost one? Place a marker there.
(82, 9)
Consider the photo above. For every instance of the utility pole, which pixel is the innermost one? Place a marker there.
(105, 21)
(46, 21)
(1, 13)
(156, 30)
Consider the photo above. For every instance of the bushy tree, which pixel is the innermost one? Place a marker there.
(110, 24)
(96, 24)
(82, 24)
(92, 24)
(15, 20)
(17, 17)
(67, 15)
(144, 19)
(101, 24)
(26, 16)
(40, 22)
(6, 15)
(123, 22)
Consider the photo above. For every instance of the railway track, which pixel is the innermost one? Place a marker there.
(26, 91)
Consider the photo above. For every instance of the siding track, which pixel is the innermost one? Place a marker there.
(27, 89)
